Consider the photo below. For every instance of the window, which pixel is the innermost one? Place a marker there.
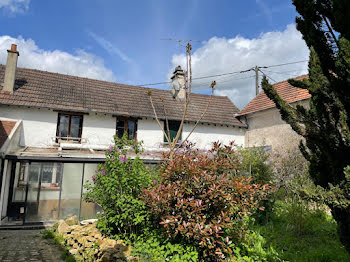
(69, 127)
(50, 174)
(127, 125)
(173, 129)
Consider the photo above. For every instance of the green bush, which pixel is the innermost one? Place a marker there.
(158, 250)
(116, 188)
(255, 162)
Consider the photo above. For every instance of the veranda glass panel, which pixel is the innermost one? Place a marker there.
(71, 190)
(43, 191)
(33, 191)
(89, 210)
(16, 209)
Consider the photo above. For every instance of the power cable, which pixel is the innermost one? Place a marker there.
(224, 74)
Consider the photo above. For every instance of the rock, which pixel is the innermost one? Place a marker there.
(62, 228)
(73, 251)
(86, 241)
(73, 220)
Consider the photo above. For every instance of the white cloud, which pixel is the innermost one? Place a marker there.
(31, 56)
(109, 47)
(15, 6)
(222, 55)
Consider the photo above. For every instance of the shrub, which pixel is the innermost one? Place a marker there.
(159, 250)
(201, 201)
(116, 188)
(255, 162)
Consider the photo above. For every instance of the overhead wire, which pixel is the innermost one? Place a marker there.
(225, 74)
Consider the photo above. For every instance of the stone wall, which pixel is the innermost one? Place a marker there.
(86, 243)
(266, 128)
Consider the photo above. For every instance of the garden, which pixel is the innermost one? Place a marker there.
(224, 204)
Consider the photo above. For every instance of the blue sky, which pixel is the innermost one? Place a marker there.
(121, 40)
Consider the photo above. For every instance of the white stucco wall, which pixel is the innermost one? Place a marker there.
(99, 129)
(39, 125)
(203, 136)
(39, 130)
(150, 133)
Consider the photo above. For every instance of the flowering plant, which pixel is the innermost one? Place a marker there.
(116, 188)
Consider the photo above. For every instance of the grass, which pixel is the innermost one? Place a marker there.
(301, 235)
(58, 240)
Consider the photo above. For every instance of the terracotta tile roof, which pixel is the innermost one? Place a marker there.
(288, 92)
(37, 88)
(5, 130)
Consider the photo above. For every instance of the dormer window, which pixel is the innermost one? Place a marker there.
(126, 125)
(69, 127)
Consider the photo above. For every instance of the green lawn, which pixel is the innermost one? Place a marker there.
(303, 236)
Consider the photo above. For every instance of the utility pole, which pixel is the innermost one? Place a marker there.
(256, 69)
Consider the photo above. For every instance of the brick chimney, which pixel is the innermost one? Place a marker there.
(10, 72)
(178, 84)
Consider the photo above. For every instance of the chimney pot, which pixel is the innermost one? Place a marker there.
(178, 84)
(14, 47)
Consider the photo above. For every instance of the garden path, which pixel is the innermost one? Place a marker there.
(26, 245)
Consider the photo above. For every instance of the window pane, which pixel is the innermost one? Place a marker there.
(131, 130)
(34, 173)
(59, 172)
(75, 127)
(173, 129)
(46, 176)
(120, 128)
(63, 127)
(89, 210)
(71, 189)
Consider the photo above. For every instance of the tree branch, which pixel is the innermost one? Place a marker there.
(156, 116)
(202, 115)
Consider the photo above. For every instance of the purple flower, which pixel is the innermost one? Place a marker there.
(93, 178)
(103, 172)
(123, 159)
(266, 163)
(110, 149)
(291, 176)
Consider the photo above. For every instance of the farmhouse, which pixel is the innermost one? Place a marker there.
(265, 127)
(55, 128)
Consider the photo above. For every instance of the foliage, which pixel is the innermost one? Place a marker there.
(317, 241)
(157, 249)
(325, 126)
(201, 201)
(255, 162)
(58, 240)
(116, 188)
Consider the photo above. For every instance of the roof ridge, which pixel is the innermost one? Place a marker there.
(250, 108)
(104, 81)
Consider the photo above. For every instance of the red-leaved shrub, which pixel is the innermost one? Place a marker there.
(201, 201)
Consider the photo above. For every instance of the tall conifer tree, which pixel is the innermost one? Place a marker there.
(325, 26)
